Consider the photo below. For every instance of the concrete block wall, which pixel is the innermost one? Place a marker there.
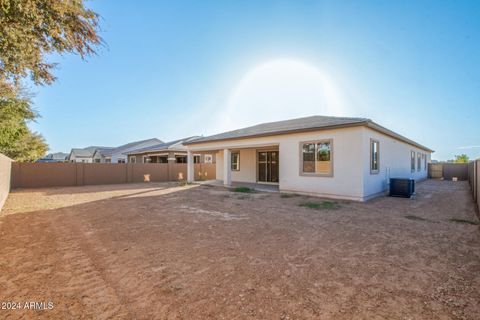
(5, 176)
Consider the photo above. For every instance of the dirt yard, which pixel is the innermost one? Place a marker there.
(159, 251)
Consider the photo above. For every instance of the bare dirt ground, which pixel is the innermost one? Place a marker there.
(159, 251)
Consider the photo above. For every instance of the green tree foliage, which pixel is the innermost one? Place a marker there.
(30, 31)
(463, 158)
(16, 140)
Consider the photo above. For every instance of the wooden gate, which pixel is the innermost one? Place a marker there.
(435, 170)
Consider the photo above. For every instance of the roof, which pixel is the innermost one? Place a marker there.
(87, 152)
(82, 153)
(56, 156)
(90, 151)
(270, 128)
(165, 146)
(312, 123)
(127, 147)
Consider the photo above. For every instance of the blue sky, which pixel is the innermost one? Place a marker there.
(178, 68)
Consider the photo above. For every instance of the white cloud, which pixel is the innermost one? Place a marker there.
(469, 147)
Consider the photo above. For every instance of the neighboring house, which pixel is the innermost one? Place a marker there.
(174, 151)
(348, 158)
(118, 155)
(84, 155)
(98, 155)
(54, 157)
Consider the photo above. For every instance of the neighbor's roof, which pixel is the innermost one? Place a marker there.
(177, 145)
(128, 146)
(301, 125)
(87, 152)
(56, 156)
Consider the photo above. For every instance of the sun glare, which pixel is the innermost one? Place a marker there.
(282, 89)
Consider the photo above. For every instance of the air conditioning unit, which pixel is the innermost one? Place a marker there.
(401, 187)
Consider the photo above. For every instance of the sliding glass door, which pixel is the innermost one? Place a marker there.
(268, 166)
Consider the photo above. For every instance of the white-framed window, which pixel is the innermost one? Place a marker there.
(425, 162)
(108, 160)
(374, 156)
(419, 161)
(316, 158)
(235, 161)
(132, 159)
(208, 158)
(412, 161)
(196, 159)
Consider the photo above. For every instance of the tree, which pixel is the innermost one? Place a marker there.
(16, 140)
(463, 158)
(30, 31)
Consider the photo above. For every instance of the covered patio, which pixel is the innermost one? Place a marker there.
(255, 166)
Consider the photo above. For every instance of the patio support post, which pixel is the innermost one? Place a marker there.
(190, 167)
(227, 167)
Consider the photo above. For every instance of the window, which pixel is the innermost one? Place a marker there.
(235, 161)
(132, 159)
(317, 158)
(181, 159)
(208, 158)
(121, 161)
(97, 160)
(108, 160)
(374, 156)
(196, 159)
(425, 162)
(412, 160)
(419, 161)
(162, 159)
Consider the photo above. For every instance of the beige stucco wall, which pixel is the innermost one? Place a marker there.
(351, 162)
(394, 162)
(347, 179)
(248, 167)
(5, 176)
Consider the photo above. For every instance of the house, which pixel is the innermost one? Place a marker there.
(54, 157)
(334, 157)
(84, 155)
(173, 151)
(118, 154)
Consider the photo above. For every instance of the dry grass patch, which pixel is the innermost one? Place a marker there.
(326, 204)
